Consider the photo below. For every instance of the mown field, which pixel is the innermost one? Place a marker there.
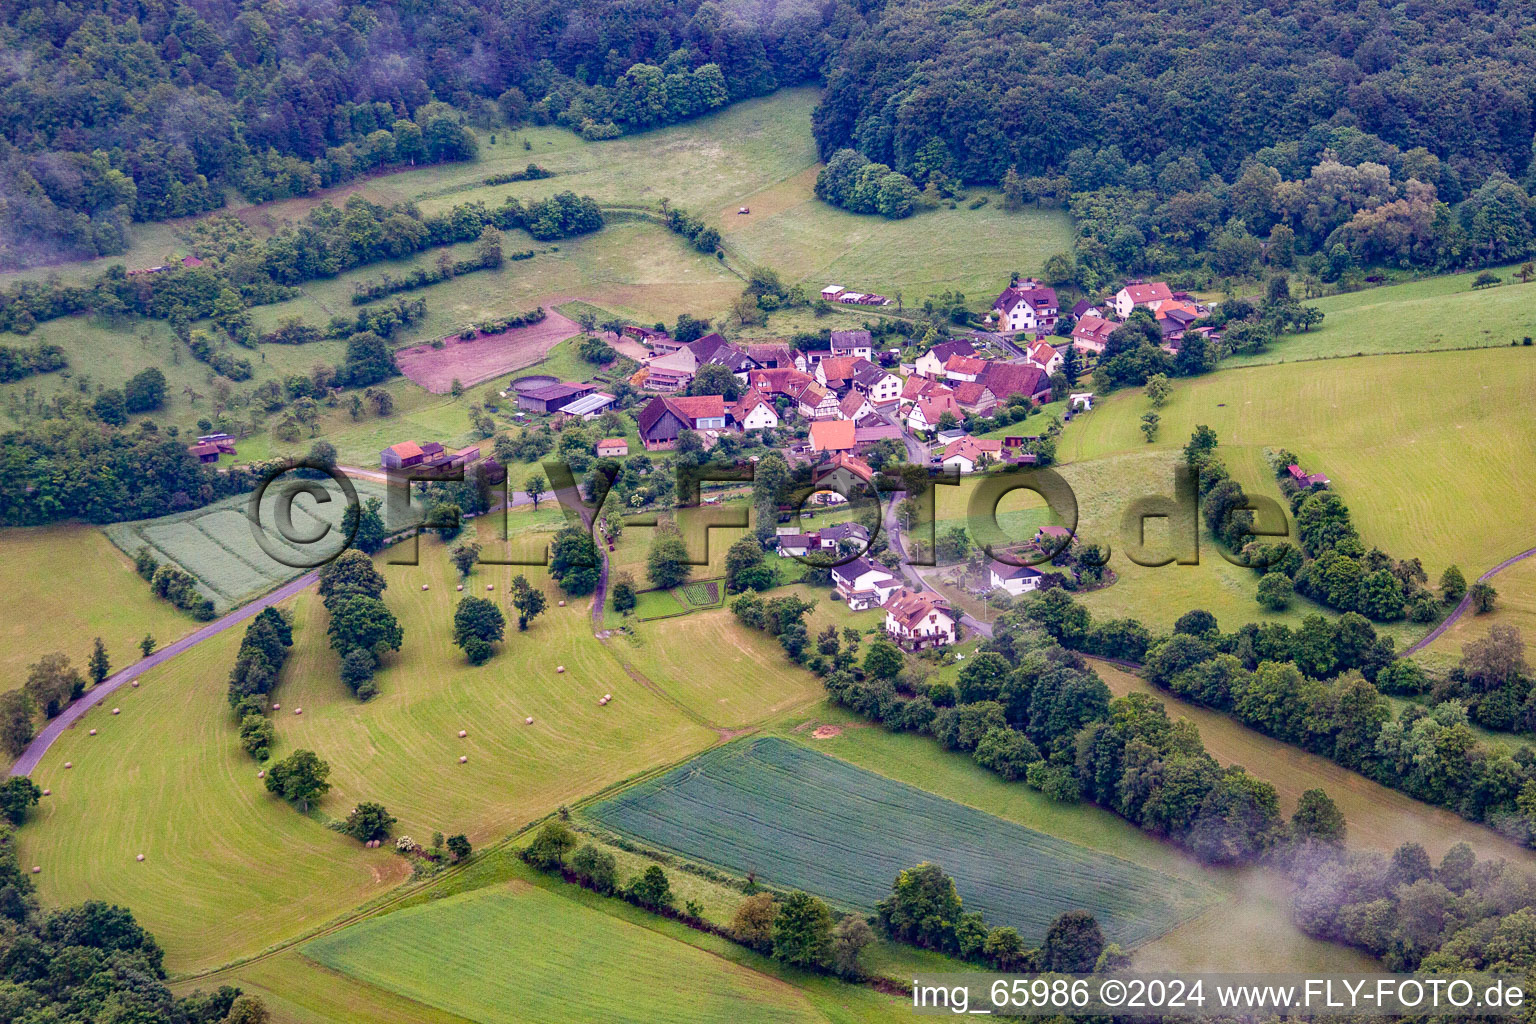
(54, 587)
(517, 953)
(216, 543)
(797, 818)
(1428, 450)
(1516, 606)
(1435, 314)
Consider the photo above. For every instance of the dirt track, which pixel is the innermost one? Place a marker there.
(471, 362)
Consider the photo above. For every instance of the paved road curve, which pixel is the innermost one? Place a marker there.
(1466, 602)
(72, 714)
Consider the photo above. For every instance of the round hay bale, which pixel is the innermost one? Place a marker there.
(141, 856)
(560, 668)
(69, 764)
(37, 868)
(461, 586)
(277, 707)
(93, 732)
(261, 774)
(463, 759)
(47, 792)
(423, 586)
(117, 711)
(135, 684)
(298, 711)
(528, 720)
(562, 604)
(462, 734)
(490, 586)
(607, 696)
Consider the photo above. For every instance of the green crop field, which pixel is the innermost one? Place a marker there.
(216, 544)
(797, 818)
(518, 954)
(52, 581)
(1428, 450)
(1435, 314)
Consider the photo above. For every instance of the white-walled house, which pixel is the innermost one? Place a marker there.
(917, 620)
(931, 363)
(1142, 293)
(1027, 306)
(1016, 579)
(754, 412)
(863, 584)
(880, 386)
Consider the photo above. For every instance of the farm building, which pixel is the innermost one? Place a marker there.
(771, 356)
(815, 402)
(588, 407)
(663, 419)
(612, 448)
(917, 620)
(873, 431)
(209, 451)
(975, 398)
(832, 292)
(972, 453)
(1016, 579)
(1305, 479)
(1008, 379)
(672, 371)
(398, 456)
(552, 397)
(958, 367)
(645, 335)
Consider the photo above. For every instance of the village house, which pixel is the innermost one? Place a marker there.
(1052, 538)
(846, 474)
(753, 411)
(1008, 379)
(664, 418)
(1045, 356)
(1016, 579)
(975, 398)
(917, 620)
(863, 584)
(1087, 307)
(1027, 306)
(880, 386)
(552, 397)
(1092, 333)
(931, 363)
(961, 368)
(671, 372)
(930, 409)
(772, 355)
(1174, 319)
(854, 405)
(871, 430)
(836, 372)
(1141, 293)
(832, 436)
(778, 381)
(972, 453)
(856, 344)
(612, 448)
(428, 455)
(210, 450)
(815, 402)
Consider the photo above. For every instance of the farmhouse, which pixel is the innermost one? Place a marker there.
(864, 585)
(1045, 356)
(1027, 306)
(853, 343)
(916, 620)
(972, 453)
(835, 372)
(1092, 333)
(815, 402)
(612, 448)
(1016, 579)
(925, 415)
(1140, 293)
(832, 436)
(854, 405)
(754, 412)
(931, 363)
(881, 386)
(975, 398)
(663, 419)
(552, 397)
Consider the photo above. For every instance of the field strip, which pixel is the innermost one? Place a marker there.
(1466, 602)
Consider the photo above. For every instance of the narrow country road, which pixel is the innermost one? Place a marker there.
(1466, 602)
(897, 544)
(72, 714)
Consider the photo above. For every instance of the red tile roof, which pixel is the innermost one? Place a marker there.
(831, 435)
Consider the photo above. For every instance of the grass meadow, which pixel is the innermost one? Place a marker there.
(1430, 451)
(517, 953)
(1435, 314)
(52, 582)
(799, 819)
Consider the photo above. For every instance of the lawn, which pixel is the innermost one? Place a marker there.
(1435, 314)
(52, 582)
(517, 953)
(797, 818)
(1430, 451)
